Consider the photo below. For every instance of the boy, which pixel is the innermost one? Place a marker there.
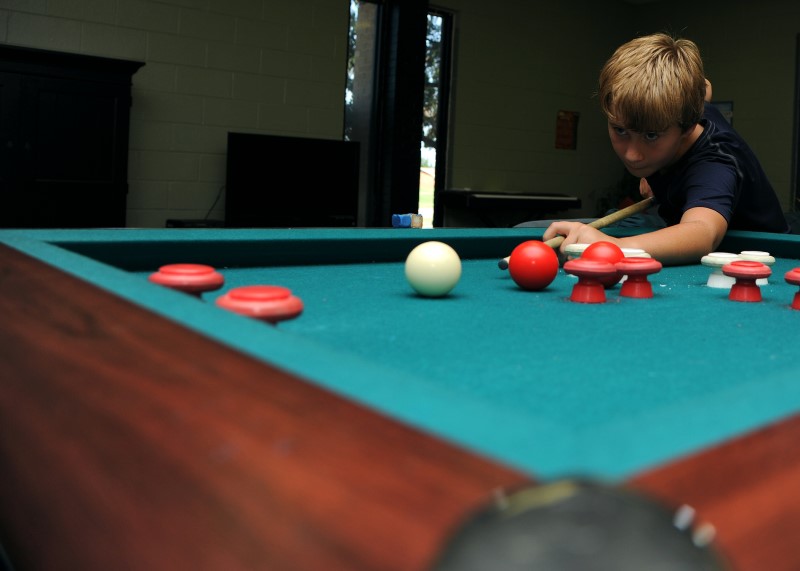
(703, 175)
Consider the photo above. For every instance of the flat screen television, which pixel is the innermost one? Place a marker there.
(275, 182)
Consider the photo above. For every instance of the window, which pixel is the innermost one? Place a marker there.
(434, 112)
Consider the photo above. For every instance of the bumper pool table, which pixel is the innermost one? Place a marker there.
(143, 428)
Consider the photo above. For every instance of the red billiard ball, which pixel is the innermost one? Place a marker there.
(533, 265)
(605, 252)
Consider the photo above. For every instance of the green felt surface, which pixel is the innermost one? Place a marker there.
(597, 376)
(550, 386)
(540, 352)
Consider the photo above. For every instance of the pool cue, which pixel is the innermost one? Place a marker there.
(640, 206)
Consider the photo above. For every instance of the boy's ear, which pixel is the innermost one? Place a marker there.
(687, 130)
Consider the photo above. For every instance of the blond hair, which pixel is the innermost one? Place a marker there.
(652, 83)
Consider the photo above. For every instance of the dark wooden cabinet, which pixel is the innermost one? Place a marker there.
(64, 124)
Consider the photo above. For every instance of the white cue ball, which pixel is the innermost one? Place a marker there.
(433, 269)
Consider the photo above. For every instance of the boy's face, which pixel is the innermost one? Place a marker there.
(645, 153)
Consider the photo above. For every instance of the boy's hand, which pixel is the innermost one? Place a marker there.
(574, 233)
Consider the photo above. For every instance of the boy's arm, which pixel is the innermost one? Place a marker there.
(699, 232)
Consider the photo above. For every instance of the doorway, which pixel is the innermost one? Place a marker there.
(396, 105)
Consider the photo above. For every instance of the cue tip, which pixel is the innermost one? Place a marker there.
(503, 264)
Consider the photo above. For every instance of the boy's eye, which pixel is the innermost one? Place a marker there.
(621, 131)
(651, 136)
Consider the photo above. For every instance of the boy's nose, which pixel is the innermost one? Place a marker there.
(633, 153)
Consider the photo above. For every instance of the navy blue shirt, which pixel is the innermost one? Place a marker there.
(722, 173)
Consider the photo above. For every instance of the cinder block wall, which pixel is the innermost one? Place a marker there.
(517, 65)
(212, 66)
